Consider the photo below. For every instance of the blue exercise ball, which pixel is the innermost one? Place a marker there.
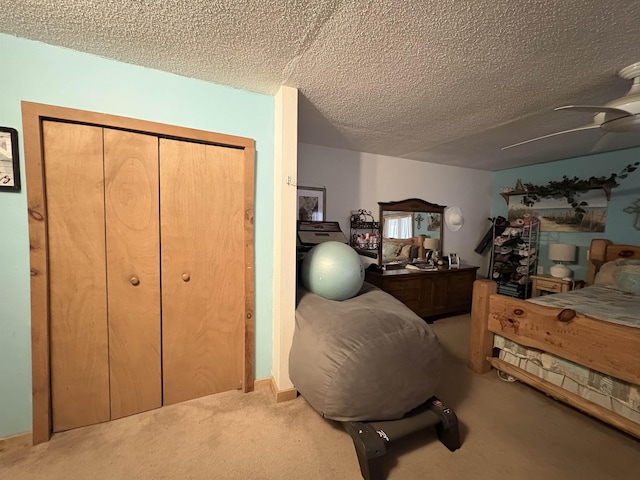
(332, 270)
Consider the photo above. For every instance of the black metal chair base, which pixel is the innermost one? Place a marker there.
(370, 438)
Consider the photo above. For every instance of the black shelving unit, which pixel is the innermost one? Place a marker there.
(514, 256)
(365, 232)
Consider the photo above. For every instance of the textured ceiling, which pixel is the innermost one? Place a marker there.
(444, 81)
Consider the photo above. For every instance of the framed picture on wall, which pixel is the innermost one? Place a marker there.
(9, 162)
(312, 204)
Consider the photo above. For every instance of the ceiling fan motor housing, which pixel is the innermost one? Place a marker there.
(630, 103)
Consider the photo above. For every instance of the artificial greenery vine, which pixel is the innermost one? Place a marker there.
(570, 188)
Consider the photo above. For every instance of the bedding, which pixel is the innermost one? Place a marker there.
(604, 303)
(611, 393)
(365, 358)
(627, 279)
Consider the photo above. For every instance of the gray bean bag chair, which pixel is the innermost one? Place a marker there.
(362, 359)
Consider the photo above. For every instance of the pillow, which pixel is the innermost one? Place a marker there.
(390, 249)
(627, 278)
(405, 251)
(413, 252)
(605, 276)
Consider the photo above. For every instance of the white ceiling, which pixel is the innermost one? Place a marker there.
(444, 81)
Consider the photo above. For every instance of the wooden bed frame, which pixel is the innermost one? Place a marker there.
(609, 348)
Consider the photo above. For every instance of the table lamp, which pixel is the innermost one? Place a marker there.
(431, 244)
(561, 252)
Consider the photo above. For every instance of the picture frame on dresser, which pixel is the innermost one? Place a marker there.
(454, 260)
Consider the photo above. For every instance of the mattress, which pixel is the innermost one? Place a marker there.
(603, 303)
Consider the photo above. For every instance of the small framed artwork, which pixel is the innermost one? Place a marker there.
(9, 162)
(454, 260)
(312, 204)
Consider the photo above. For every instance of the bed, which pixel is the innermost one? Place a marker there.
(566, 345)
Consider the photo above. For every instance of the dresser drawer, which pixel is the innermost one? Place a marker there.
(461, 284)
(549, 285)
(398, 285)
(408, 295)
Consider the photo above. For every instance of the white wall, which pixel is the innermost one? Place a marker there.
(357, 180)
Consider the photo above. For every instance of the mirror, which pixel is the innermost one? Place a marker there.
(410, 230)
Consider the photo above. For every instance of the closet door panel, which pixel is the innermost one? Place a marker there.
(133, 271)
(202, 225)
(77, 277)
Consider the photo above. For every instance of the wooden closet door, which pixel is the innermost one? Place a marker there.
(77, 276)
(201, 223)
(133, 271)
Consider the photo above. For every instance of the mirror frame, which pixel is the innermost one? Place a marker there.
(409, 205)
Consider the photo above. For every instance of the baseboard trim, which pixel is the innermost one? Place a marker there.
(278, 395)
(283, 395)
(16, 441)
(26, 439)
(262, 384)
(286, 395)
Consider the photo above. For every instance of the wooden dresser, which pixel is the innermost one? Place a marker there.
(428, 293)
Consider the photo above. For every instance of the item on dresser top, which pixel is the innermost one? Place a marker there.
(412, 222)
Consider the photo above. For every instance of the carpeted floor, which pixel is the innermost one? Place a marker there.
(510, 431)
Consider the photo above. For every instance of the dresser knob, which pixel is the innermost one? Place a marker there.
(135, 281)
(185, 277)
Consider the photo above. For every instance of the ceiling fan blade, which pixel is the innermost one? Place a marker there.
(604, 144)
(616, 141)
(584, 127)
(613, 112)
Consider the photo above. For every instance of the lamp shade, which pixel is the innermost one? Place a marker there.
(431, 243)
(562, 252)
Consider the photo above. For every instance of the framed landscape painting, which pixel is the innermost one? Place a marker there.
(556, 215)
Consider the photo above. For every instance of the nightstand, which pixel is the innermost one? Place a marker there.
(549, 284)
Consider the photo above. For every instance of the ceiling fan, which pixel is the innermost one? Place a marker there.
(618, 116)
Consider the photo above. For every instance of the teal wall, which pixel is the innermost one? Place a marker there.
(619, 227)
(41, 73)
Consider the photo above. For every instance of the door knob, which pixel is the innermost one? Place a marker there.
(186, 277)
(135, 281)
